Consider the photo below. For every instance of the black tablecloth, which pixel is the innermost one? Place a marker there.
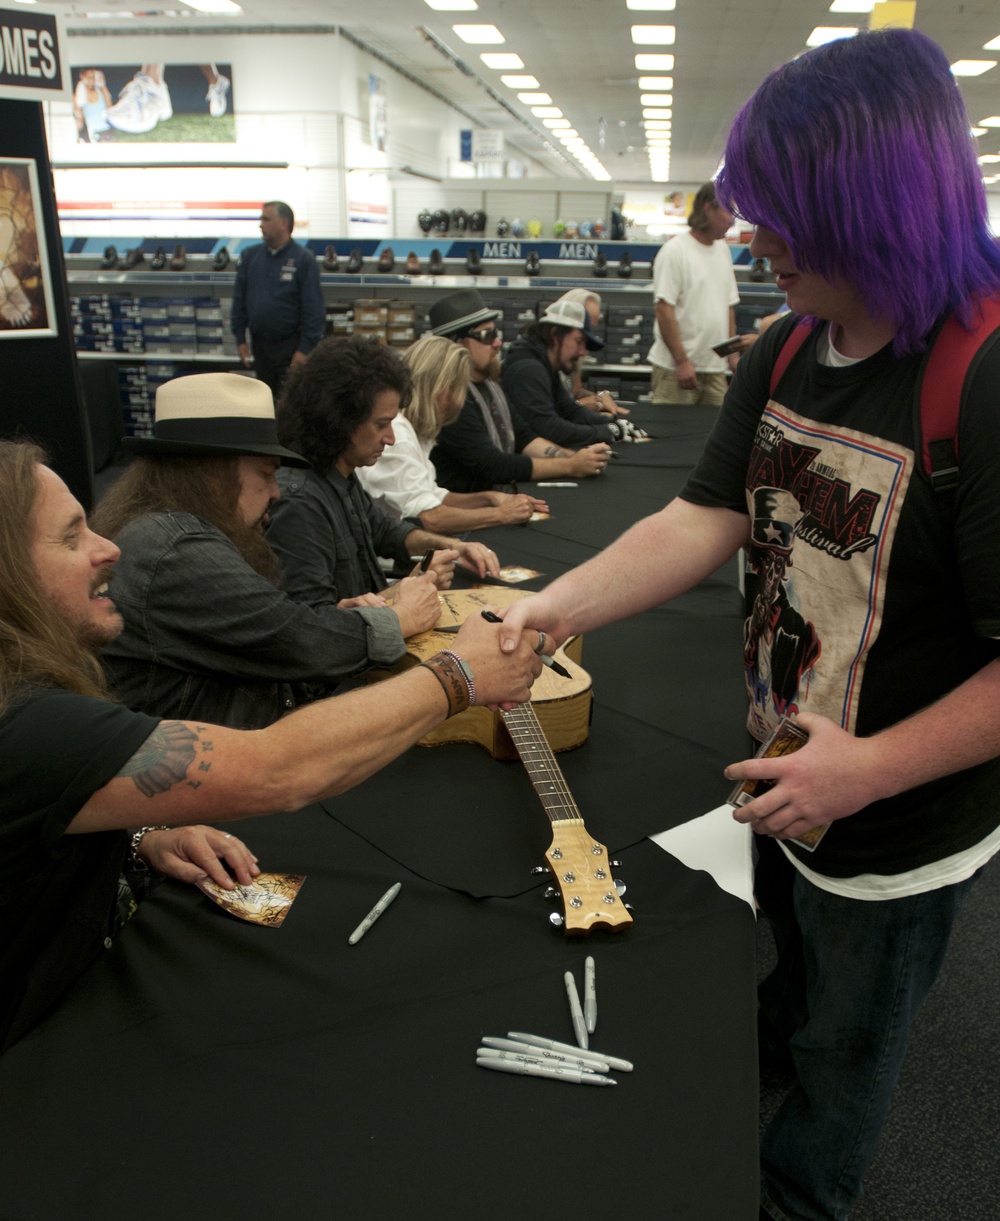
(205, 1065)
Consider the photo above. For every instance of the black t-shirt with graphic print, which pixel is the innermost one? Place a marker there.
(865, 603)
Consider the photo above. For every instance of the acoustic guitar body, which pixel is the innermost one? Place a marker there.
(563, 705)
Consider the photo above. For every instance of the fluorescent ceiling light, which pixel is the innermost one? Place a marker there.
(656, 99)
(993, 44)
(656, 82)
(830, 33)
(989, 158)
(452, 6)
(654, 63)
(547, 112)
(554, 123)
(570, 133)
(479, 33)
(972, 67)
(653, 35)
(992, 121)
(657, 112)
(501, 59)
(658, 124)
(642, 6)
(977, 131)
(213, 6)
(520, 82)
(852, 6)
(573, 141)
(534, 99)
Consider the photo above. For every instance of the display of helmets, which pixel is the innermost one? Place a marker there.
(517, 227)
(586, 228)
(477, 221)
(598, 228)
(559, 228)
(571, 228)
(534, 228)
(503, 228)
(425, 221)
(459, 220)
(617, 225)
(439, 221)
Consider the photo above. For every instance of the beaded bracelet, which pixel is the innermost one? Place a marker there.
(455, 677)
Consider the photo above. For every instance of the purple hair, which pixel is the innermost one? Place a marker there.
(858, 155)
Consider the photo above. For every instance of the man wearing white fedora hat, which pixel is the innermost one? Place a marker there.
(208, 632)
(81, 770)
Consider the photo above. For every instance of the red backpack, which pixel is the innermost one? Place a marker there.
(947, 368)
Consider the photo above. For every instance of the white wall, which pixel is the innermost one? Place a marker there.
(300, 99)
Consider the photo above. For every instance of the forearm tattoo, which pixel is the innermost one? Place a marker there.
(554, 451)
(166, 758)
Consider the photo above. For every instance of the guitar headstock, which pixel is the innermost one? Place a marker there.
(582, 871)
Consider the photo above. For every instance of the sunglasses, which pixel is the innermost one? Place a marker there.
(488, 335)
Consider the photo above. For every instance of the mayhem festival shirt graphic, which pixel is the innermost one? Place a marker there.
(824, 505)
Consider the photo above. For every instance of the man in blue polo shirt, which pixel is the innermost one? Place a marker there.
(277, 297)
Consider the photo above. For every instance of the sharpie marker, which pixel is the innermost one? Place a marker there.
(553, 1074)
(374, 914)
(537, 1040)
(557, 485)
(530, 1049)
(516, 1057)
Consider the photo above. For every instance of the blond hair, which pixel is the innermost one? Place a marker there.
(37, 648)
(437, 364)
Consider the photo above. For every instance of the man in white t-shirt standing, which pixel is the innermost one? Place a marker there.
(695, 291)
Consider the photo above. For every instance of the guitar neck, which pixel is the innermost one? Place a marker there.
(540, 763)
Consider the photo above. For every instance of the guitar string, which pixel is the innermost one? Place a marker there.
(523, 722)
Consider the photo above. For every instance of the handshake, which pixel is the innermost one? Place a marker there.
(622, 430)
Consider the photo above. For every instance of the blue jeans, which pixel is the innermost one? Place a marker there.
(850, 977)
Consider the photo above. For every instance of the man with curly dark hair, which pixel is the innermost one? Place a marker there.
(337, 411)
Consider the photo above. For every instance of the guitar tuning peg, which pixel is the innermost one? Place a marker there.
(540, 869)
(550, 892)
(556, 919)
(620, 886)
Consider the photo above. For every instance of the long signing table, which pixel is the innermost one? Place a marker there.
(205, 1065)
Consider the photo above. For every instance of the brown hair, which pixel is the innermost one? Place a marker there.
(208, 488)
(699, 217)
(37, 649)
(437, 364)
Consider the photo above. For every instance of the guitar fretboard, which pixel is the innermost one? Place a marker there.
(540, 763)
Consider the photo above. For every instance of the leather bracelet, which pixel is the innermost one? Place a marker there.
(455, 678)
(135, 860)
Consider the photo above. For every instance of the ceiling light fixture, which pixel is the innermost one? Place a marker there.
(212, 6)
(534, 99)
(501, 59)
(830, 33)
(520, 82)
(554, 123)
(852, 6)
(992, 121)
(547, 112)
(479, 34)
(656, 82)
(658, 112)
(654, 35)
(993, 44)
(651, 6)
(972, 67)
(452, 6)
(654, 63)
(656, 99)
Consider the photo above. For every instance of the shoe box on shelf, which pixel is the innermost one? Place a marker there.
(401, 324)
(137, 387)
(371, 318)
(629, 334)
(391, 322)
(106, 322)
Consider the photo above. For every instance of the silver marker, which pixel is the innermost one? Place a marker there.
(575, 1012)
(554, 1074)
(560, 1057)
(374, 914)
(557, 485)
(590, 994)
(536, 1040)
(514, 1057)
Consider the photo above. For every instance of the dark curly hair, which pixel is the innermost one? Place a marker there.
(328, 396)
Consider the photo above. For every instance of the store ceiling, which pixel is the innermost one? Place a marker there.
(582, 55)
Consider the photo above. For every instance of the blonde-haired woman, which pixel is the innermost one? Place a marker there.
(404, 483)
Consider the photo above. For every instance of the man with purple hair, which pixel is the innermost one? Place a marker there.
(873, 611)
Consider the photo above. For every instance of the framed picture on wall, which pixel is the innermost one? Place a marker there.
(26, 304)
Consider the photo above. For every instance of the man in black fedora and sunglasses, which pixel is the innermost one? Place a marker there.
(489, 446)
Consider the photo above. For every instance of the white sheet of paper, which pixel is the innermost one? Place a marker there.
(717, 844)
